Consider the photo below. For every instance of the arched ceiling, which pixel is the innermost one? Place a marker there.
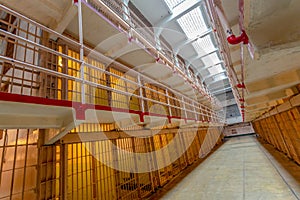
(271, 60)
(186, 26)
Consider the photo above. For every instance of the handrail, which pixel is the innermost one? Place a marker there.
(222, 40)
(193, 106)
(139, 26)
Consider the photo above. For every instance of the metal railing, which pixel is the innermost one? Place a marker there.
(44, 68)
(222, 41)
(139, 29)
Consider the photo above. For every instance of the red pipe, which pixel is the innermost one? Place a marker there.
(232, 39)
(242, 100)
(241, 85)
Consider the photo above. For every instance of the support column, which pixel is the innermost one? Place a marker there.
(141, 100)
(80, 30)
(169, 105)
(183, 104)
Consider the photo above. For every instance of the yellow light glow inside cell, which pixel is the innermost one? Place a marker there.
(60, 61)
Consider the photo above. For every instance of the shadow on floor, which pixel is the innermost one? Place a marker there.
(288, 169)
(172, 183)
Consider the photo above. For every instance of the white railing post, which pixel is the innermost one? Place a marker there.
(81, 56)
(183, 103)
(168, 101)
(196, 115)
(141, 93)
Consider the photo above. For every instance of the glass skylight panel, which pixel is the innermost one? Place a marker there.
(204, 45)
(219, 77)
(193, 23)
(215, 69)
(211, 59)
(173, 3)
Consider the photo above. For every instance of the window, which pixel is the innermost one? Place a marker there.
(173, 3)
(220, 77)
(204, 45)
(193, 23)
(216, 69)
(211, 59)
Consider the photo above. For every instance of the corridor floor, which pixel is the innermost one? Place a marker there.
(243, 169)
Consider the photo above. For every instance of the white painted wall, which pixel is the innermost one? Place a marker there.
(239, 129)
(234, 120)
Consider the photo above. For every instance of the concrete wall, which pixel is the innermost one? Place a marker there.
(239, 129)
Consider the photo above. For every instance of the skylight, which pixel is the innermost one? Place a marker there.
(173, 3)
(193, 23)
(211, 59)
(219, 77)
(204, 45)
(216, 69)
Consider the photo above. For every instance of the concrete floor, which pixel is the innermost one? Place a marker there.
(242, 168)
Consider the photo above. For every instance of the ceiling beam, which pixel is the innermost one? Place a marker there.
(196, 57)
(212, 82)
(68, 15)
(282, 80)
(212, 75)
(277, 95)
(204, 68)
(216, 92)
(261, 106)
(178, 85)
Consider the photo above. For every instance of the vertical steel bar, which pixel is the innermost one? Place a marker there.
(14, 164)
(168, 101)
(141, 93)
(183, 104)
(195, 112)
(3, 154)
(64, 171)
(25, 163)
(80, 29)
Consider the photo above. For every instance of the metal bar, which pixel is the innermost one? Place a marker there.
(81, 51)
(3, 154)
(162, 55)
(141, 94)
(64, 170)
(49, 50)
(168, 102)
(25, 163)
(81, 80)
(8, 10)
(42, 27)
(42, 69)
(14, 164)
